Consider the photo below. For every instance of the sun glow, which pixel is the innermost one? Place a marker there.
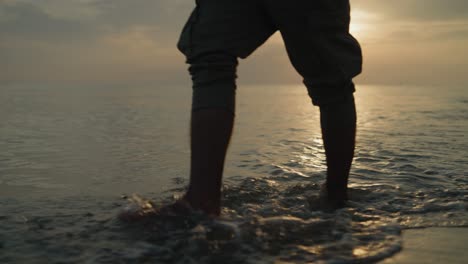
(360, 27)
(357, 29)
(361, 24)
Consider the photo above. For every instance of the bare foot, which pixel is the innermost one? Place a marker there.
(206, 206)
(137, 209)
(323, 201)
(141, 209)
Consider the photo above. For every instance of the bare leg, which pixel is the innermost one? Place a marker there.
(211, 131)
(338, 123)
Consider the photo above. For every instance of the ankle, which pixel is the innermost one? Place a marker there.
(209, 205)
(336, 192)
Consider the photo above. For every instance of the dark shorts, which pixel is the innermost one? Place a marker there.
(315, 32)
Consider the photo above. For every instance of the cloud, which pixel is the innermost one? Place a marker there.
(92, 40)
(167, 14)
(29, 22)
(58, 19)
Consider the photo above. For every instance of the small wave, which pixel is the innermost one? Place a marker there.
(251, 234)
(268, 219)
(264, 220)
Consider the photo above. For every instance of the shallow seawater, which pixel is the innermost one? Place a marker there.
(71, 155)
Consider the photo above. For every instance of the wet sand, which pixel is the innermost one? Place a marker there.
(433, 245)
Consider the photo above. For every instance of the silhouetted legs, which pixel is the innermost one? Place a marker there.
(210, 134)
(338, 121)
(211, 131)
(317, 39)
(213, 107)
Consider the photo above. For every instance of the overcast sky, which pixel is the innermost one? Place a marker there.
(133, 41)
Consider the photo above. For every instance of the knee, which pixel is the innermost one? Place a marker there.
(333, 92)
(213, 77)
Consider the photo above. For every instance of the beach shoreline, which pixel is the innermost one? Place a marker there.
(432, 245)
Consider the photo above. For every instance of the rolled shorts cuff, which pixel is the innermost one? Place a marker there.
(330, 93)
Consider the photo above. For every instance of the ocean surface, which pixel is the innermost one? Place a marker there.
(72, 156)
